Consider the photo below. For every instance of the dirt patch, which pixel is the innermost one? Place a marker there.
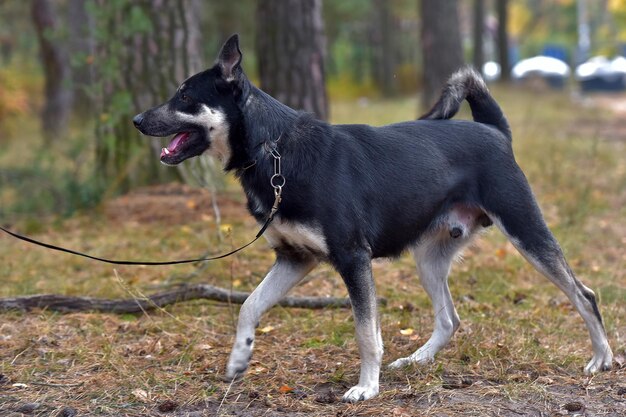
(558, 395)
(590, 125)
(609, 130)
(157, 365)
(171, 203)
(616, 103)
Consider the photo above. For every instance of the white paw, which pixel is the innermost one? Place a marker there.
(359, 393)
(410, 360)
(233, 374)
(600, 363)
(400, 363)
(237, 364)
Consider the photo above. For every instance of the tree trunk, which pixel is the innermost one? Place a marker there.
(503, 40)
(383, 47)
(441, 46)
(291, 52)
(478, 29)
(146, 48)
(56, 66)
(81, 47)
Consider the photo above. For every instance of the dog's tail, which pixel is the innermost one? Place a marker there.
(467, 84)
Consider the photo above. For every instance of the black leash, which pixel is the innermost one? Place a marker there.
(277, 181)
(148, 263)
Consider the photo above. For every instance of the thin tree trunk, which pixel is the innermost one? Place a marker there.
(478, 32)
(81, 47)
(291, 52)
(383, 46)
(441, 46)
(503, 40)
(56, 66)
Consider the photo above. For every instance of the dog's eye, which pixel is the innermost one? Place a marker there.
(185, 98)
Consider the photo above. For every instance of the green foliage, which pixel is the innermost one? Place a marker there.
(345, 87)
(355, 44)
(15, 89)
(36, 178)
(138, 22)
(39, 180)
(537, 23)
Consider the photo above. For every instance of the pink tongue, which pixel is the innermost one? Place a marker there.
(176, 141)
(171, 148)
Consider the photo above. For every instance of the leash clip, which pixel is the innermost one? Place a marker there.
(277, 181)
(277, 193)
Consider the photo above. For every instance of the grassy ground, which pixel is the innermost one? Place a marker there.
(520, 350)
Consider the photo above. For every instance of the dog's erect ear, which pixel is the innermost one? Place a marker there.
(230, 58)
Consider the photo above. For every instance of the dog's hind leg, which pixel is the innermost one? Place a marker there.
(517, 215)
(283, 276)
(433, 258)
(356, 271)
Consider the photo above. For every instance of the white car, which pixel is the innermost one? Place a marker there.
(553, 70)
(601, 74)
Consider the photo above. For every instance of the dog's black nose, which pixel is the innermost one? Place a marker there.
(138, 119)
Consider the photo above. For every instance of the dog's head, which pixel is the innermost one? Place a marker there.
(201, 112)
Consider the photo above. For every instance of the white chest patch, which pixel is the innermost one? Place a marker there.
(297, 235)
(214, 120)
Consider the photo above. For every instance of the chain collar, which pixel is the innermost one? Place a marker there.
(277, 181)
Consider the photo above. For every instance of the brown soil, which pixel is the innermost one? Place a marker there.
(612, 129)
(172, 203)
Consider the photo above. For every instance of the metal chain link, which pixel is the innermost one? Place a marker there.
(277, 181)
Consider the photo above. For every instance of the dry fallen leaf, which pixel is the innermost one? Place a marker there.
(266, 329)
(205, 347)
(258, 370)
(285, 389)
(140, 394)
(406, 332)
(401, 412)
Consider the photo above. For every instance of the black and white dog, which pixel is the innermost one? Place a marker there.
(357, 192)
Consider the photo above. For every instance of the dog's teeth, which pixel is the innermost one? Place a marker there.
(167, 151)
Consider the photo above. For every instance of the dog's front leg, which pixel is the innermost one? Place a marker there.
(283, 276)
(357, 274)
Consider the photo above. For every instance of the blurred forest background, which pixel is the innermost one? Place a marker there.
(87, 66)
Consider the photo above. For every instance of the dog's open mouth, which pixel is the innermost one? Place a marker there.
(183, 145)
(175, 145)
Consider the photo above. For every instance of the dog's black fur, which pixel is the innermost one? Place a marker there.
(366, 192)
